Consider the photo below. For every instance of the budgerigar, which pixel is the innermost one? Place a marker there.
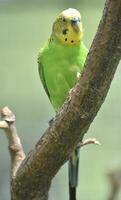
(60, 61)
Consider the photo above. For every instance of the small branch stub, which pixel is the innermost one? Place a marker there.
(7, 115)
(88, 141)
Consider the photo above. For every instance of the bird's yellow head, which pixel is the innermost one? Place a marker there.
(68, 27)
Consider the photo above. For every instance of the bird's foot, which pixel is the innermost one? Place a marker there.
(51, 121)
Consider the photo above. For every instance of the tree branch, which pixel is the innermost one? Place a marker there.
(36, 172)
(15, 147)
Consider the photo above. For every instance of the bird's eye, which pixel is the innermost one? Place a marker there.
(64, 20)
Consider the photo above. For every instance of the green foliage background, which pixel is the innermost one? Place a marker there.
(24, 28)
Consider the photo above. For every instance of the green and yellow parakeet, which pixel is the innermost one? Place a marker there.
(60, 61)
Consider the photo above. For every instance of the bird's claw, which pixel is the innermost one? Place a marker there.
(51, 121)
(78, 75)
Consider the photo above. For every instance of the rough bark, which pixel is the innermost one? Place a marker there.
(34, 176)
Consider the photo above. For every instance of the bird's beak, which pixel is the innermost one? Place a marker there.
(75, 22)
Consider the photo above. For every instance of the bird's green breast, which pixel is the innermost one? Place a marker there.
(60, 66)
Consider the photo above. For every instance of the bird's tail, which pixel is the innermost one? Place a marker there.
(73, 174)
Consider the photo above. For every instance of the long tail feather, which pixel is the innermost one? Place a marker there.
(73, 174)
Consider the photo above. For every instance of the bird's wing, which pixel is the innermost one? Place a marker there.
(42, 76)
